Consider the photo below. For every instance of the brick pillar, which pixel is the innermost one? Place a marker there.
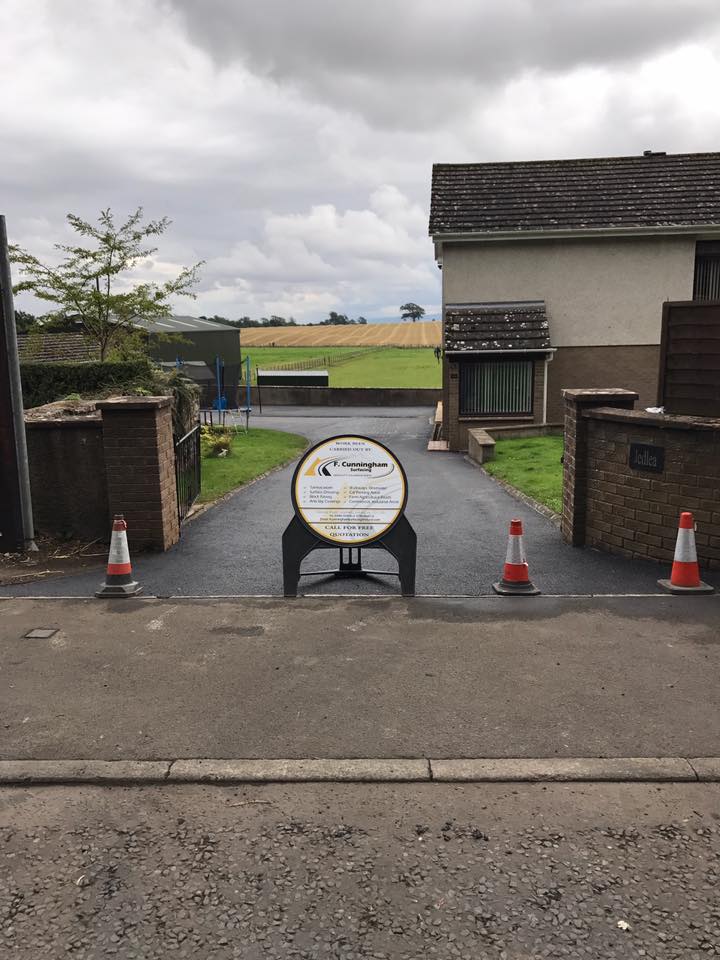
(140, 468)
(572, 524)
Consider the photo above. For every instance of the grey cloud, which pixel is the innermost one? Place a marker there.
(239, 120)
(411, 63)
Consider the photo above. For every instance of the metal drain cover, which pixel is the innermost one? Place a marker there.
(40, 633)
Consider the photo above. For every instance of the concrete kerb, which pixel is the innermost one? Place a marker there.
(565, 770)
(19, 772)
(300, 771)
(363, 770)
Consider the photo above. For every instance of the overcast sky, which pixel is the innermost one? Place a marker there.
(291, 141)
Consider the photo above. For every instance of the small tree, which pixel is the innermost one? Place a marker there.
(335, 319)
(411, 311)
(24, 322)
(91, 285)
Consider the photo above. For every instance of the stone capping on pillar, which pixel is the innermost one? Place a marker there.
(140, 468)
(577, 401)
(133, 403)
(662, 421)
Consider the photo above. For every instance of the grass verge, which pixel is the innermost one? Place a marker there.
(533, 466)
(251, 455)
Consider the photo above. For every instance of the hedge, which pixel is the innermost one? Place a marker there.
(46, 382)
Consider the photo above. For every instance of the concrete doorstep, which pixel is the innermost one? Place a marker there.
(378, 770)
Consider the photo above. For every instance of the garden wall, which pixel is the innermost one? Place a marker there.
(67, 477)
(83, 470)
(628, 474)
(345, 396)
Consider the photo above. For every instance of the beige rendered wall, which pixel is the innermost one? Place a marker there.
(598, 292)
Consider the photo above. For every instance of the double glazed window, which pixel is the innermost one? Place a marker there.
(496, 388)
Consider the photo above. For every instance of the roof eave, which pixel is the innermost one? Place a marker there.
(548, 350)
(486, 236)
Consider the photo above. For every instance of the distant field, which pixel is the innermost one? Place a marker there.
(426, 334)
(270, 357)
(412, 367)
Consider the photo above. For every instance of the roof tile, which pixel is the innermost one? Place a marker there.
(659, 190)
(481, 327)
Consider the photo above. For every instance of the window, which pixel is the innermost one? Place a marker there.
(496, 387)
(707, 271)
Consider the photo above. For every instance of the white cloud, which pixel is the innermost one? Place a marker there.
(344, 251)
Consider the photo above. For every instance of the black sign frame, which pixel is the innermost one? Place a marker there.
(398, 539)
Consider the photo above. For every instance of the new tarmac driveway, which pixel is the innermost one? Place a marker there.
(460, 514)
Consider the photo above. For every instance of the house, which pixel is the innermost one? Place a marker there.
(39, 347)
(554, 275)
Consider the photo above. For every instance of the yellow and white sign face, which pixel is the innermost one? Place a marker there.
(349, 490)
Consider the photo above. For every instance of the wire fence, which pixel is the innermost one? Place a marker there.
(321, 362)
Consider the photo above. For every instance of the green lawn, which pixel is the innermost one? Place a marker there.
(533, 466)
(388, 367)
(251, 455)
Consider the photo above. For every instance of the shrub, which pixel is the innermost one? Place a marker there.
(185, 396)
(47, 382)
(215, 441)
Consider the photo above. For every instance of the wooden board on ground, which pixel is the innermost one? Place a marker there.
(425, 334)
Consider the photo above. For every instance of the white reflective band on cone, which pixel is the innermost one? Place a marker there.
(119, 552)
(515, 551)
(685, 551)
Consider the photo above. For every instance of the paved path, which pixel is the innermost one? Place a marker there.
(365, 677)
(461, 517)
(393, 873)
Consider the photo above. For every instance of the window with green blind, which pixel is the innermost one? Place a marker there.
(500, 387)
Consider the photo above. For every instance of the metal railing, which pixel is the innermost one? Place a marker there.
(187, 471)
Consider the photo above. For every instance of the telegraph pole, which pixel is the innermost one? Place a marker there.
(16, 520)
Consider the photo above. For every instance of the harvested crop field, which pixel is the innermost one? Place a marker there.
(426, 334)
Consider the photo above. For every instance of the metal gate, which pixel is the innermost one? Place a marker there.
(187, 470)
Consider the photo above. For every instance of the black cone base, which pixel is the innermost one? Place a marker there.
(119, 589)
(506, 588)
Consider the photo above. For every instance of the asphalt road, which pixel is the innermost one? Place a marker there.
(363, 677)
(392, 873)
(461, 517)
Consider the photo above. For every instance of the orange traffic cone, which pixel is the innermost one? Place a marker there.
(118, 578)
(516, 578)
(685, 574)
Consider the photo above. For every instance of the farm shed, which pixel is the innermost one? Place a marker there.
(202, 341)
